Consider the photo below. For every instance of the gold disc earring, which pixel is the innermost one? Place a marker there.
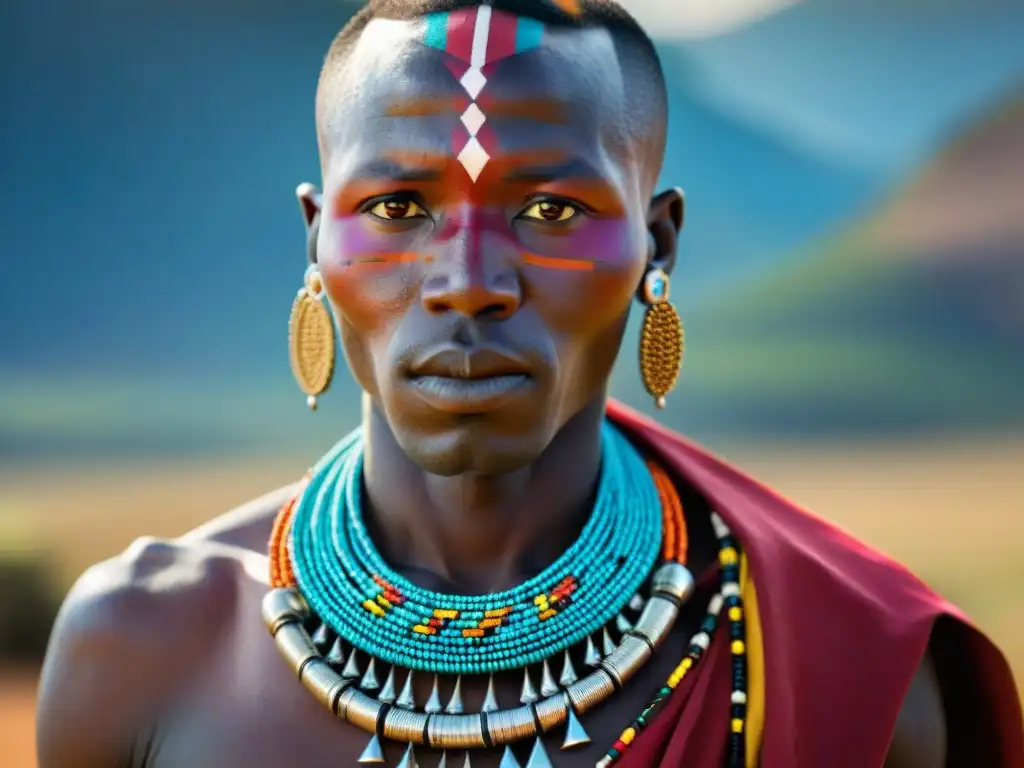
(311, 338)
(662, 339)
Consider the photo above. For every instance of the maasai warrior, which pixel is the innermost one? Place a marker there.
(500, 567)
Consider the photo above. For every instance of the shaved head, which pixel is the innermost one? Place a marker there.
(639, 125)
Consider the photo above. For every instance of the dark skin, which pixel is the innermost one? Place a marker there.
(159, 656)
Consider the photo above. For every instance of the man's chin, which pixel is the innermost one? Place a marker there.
(473, 445)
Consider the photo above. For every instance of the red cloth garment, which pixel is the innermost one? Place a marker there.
(844, 631)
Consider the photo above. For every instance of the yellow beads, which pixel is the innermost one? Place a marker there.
(738, 647)
(423, 629)
(735, 613)
(728, 556)
(384, 600)
(497, 613)
(679, 673)
(551, 603)
(627, 736)
(445, 613)
(737, 725)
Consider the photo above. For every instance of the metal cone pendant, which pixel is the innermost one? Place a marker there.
(607, 644)
(455, 702)
(548, 686)
(508, 760)
(322, 636)
(590, 656)
(575, 733)
(406, 700)
(622, 624)
(408, 759)
(336, 655)
(529, 694)
(373, 752)
(369, 681)
(490, 700)
(387, 693)
(433, 705)
(568, 671)
(539, 756)
(351, 670)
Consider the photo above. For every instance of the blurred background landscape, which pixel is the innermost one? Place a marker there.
(851, 277)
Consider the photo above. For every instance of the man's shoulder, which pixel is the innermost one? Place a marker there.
(137, 594)
(155, 588)
(137, 626)
(154, 580)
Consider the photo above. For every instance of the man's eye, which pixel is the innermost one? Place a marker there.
(550, 210)
(392, 210)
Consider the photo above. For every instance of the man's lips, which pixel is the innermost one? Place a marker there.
(452, 362)
(464, 381)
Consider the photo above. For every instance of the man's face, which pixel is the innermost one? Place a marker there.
(483, 230)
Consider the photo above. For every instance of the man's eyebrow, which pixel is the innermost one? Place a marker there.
(529, 165)
(570, 168)
(542, 110)
(398, 168)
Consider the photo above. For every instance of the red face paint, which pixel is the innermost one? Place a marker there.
(490, 206)
(479, 193)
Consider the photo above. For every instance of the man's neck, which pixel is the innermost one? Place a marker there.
(475, 533)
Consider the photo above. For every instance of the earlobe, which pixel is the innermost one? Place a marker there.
(664, 222)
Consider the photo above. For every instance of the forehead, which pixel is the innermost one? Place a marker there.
(415, 85)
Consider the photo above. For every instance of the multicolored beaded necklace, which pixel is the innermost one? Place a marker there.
(337, 611)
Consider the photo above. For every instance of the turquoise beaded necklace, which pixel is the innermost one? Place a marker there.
(332, 590)
(346, 582)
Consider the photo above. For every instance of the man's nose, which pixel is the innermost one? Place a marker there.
(475, 276)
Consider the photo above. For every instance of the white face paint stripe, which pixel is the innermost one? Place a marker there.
(473, 156)
(473, 81)
(478, 57)
(473, 118)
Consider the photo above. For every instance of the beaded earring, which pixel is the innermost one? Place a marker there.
(311, 338)
(662, 338)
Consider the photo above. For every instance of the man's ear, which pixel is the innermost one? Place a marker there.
(310, 202)
(664, 223)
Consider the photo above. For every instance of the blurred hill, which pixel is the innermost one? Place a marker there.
(970, 194)
(914, 320)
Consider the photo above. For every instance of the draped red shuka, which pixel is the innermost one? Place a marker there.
(844, 629)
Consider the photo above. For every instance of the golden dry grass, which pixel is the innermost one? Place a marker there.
(951, 510)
